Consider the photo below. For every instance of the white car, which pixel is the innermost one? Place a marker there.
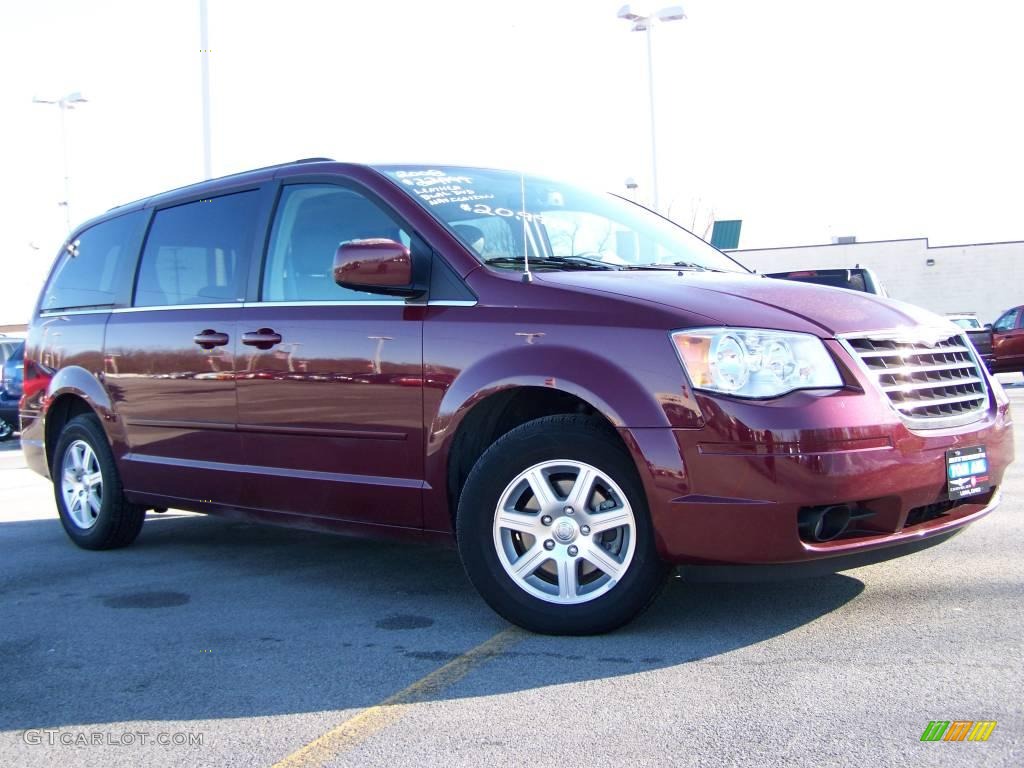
(966, 320)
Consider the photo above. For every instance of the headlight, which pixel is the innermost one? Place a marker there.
(747, 362)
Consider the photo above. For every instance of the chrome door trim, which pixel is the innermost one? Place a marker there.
(166, 307)
(246, 304)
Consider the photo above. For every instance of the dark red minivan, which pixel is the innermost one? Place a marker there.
(579, 392)
(1008, 342)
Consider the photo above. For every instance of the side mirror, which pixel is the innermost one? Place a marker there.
(376, 266)
(989, 326)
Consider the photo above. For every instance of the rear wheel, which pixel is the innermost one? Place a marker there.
(554, 531)
(87, 488)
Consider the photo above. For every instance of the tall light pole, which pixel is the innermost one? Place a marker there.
(204, 58)
(644, 22)
(64, 103)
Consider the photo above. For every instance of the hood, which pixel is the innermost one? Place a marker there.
(754, 301)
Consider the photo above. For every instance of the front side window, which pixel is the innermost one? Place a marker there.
(197, 253)
(1007, 322)
(312, 220)
(95, 269)
(505, 217)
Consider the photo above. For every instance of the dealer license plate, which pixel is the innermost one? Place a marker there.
(967, 472)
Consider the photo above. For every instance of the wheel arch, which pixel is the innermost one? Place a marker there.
(486, 401)
(72, 392)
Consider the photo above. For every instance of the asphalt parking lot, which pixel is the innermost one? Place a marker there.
(270, 645)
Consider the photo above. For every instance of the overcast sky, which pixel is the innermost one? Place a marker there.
(806, 119)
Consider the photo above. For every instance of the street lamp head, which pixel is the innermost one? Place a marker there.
(672, 13)
(626, 12)
(64, 102)
(642, 20)
(69, 101)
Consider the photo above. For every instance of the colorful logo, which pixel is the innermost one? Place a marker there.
(958, 730)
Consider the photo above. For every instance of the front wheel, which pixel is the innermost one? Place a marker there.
(87, 488)
(554, 531)
(6, 429)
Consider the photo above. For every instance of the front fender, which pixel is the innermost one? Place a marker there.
(619, 395)
(610, 389)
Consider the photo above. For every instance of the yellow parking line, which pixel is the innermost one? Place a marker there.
(359, 728)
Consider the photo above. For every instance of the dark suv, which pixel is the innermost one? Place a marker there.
(10, 385)
(577, 391)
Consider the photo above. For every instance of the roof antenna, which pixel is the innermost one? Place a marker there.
(527, 275)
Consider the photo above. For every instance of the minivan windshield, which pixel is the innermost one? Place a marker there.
(507, 218)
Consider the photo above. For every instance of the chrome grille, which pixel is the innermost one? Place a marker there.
(931, 381)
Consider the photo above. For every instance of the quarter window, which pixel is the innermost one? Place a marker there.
(95, 269)
(196, 253)
(312, 221)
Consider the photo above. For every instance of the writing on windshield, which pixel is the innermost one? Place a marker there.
(503, 216)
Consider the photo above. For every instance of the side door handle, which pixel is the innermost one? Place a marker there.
(208, 339)
(264, 338)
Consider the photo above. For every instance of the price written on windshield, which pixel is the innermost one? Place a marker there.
(486, 210)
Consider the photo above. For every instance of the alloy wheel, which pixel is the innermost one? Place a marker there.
(564, 531)
(81, 484)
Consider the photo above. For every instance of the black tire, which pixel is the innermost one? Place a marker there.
(117, 522)
(555, 438)
(7, 430)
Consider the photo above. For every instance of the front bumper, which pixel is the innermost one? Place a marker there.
(924, 539)
(731, 492)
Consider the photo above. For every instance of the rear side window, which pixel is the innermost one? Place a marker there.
(197, 253)
(95, 269)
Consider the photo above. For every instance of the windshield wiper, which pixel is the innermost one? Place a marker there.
(579, 262)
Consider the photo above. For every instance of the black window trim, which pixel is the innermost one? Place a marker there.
(270, 193)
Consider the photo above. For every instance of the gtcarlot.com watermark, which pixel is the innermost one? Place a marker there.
(53, 737)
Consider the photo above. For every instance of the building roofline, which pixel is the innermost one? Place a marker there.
(876, 242)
